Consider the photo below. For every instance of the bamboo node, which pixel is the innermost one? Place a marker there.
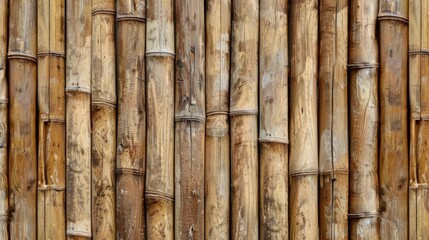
(22, 56)
(4, 101)
(243, 112)
(303, 173)
(419, 186)
(334, 171)
(51, 53)
(362, 215)
(78, 89)
(189, 118)
(45, 187)
(418, 52)
(105, 102)
(46, 118)
(211, 113)
(133, 171)
(160, 54)
(4, 217)
(159, 195)
(273, 140)
(103, 11)
(78, 233)
(362, 65)
(130, 18)
(393, 17)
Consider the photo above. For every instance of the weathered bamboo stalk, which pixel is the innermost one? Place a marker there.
(273, 126)
(22, 112)
(131, 142)
(333, 127)
(78, 123)
(103, 119)
(303, 163)
(364, 120)
(217, 168)
(51, 101)
(4, 193)
(190, 119)
(159, 192)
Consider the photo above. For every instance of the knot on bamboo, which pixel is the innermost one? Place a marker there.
(168, 54)
(392, 17)
(51, 53)
(134, 18)
(105, 102)
(303, 173)
(363, 215)
(133, 171)
(22, 56)
(273, 140)
(362, 65)
(243, 112)
(159, 195)
(334, 171)
(418, 52)
(103, 11)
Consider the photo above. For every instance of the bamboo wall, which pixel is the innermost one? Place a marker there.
(215, 119)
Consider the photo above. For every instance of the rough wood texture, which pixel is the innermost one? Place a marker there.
(190, 119)
(217, 169)
(159, 192)
(130, 162)
(273, 124)
(4, 127)
(303, 163)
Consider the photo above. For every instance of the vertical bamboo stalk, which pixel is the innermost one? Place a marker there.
(51, 102)
(131, 142)
(23, 141)
(333, 127)
(103, 119)
(217, 165)
(159, 192)
(273, 126)
(4, 193)
(303, 164)
(190, 119)
(78, 123)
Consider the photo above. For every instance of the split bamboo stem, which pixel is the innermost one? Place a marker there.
(4, 128)
(22, 112)
(103, 119)
(159, 192)
(190, 119)
(131, 142)
(303, 163)
(51, 101)
(273, 127)
(217, 169)
(78, 123)
(333, 127)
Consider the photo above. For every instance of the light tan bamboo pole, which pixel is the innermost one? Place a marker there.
(4, 193)
(333, 127)
(103, 119)
(51, 101)
(273, 125)
(22, 113)
(190, 119)
(217, 166)
(78, 123)
(159, 189)
(364, 120)
(303, 163)
(131, 142)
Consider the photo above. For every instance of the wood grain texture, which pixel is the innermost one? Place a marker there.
(4, 125)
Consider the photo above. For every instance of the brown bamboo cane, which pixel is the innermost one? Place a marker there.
(131, 133)
(363, 120)
(4, 193)
(303, 163)
(159, 189)
(78, 122)
(190, 119)
(244, 120)
(217, 168)
(22, 113)
(51, 101)
(333, 127)
(273, 125)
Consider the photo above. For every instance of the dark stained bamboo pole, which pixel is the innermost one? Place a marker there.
(131, 133)
(78, 122)
(333, 127)
(103, 119)
(22, 112)
(303, 159)
(51, 101)
(217, 165)
(273, 125)
(159, 190)
(363, 120)
(190, 119)
(244, 120)
(4, 128)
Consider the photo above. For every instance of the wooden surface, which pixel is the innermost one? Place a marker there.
(4, 126)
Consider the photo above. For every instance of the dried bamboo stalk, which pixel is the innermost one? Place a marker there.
(4, 193)
(22, 112)
(273, 127)
(217, 168)
(78, 123)
(103, 119)
(333, 127)
(303, 163)
(131, 142)
(190, 119)
(159, 192)
(51, 101)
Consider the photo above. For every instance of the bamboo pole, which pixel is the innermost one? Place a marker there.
(78, 123)
(273, 126)
(217, 166)
(333, 127)
(364, 120)
(4, 193)
(51, 101)
(22, 112)
(303, 163)
(190, 119)
(160, 120)
(131, 141)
